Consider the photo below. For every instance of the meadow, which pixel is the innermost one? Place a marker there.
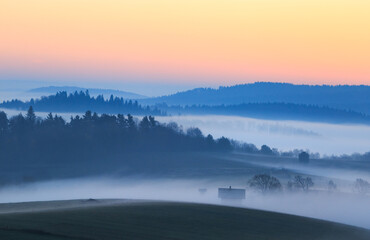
(150, 220)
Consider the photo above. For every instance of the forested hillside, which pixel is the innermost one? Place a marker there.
(274, 111)
(347, 97)
(92, 143)
(79, 102)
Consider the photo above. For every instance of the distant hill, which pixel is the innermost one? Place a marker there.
(275, 111)
(93, 91)
(82, 101)
(347, 97)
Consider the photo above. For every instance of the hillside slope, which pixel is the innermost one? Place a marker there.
(164, 220)
(342, 97)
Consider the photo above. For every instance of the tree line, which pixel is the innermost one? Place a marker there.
(125, 131)
(272, 110)
(265, 183)
(29, 139)
(80, 101)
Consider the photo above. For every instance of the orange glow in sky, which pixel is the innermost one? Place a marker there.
(225, 41)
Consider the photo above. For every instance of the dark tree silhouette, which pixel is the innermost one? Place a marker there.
(304, 157)
(362, 186)
(194, 132)
(31, 116)
(265, 183)
(224, 143)
(3, 122)
(145, 124)
(266, 150)
(332, 186)
(301, 183)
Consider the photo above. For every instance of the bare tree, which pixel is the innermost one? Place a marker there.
(265, 183)
(332, 186)
(301, 183)
(362, 186)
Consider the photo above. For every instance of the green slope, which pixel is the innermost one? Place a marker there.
(163, 220)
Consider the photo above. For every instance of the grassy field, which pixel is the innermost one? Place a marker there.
(107, 219)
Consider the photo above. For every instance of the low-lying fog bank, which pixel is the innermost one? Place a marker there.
(324, 138)
(348, 208)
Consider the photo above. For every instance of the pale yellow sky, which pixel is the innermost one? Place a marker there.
(314, 41)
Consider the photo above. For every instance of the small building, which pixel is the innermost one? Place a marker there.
(231, 193)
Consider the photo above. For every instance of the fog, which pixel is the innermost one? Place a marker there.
(324, 138)
(340, 207)
(13, 112)
(15, 88)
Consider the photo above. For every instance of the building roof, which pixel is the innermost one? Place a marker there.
(231, 193)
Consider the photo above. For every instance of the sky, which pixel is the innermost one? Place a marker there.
(185, 42)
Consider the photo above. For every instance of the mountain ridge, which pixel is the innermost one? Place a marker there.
(345, 97)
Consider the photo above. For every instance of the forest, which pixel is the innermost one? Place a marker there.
(79, 102)
(31, 139)
(90, 143)
(28, 139)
